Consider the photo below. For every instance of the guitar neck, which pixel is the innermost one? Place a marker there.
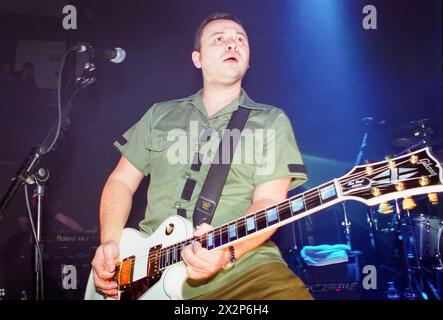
(277, 215)
(418, 172)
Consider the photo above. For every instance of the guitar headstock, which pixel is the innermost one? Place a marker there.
(418, 172)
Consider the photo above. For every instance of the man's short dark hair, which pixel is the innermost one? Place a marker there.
(208, 19)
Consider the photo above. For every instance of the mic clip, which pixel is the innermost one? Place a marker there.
(86, 78)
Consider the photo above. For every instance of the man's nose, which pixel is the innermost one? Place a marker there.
(231, 45)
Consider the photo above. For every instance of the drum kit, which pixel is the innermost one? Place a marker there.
(414, 230)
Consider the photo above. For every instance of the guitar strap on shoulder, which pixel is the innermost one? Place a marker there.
(218, 172)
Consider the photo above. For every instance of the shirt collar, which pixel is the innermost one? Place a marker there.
(244, 100)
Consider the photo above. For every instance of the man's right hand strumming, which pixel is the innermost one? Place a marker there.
(103, 264)
(115, 206)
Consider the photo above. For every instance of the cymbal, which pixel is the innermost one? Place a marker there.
(424, 132)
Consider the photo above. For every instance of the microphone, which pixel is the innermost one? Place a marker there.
(116, 55)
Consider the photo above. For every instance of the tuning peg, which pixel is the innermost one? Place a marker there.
(408, 203)
(414, 157)
(385, 208)
(424, 181)
(399, 186)
(375, 191)
(369, 169)
(433, 198)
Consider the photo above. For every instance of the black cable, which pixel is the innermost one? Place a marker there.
(59, 100)
(57, 134)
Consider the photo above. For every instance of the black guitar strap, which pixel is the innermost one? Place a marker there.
(218, 172)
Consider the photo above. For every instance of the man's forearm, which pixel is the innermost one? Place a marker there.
(115, 206)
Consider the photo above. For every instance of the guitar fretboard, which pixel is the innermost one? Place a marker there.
(285, 211)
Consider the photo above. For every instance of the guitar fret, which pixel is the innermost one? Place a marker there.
(204, 241)
(224, 234)
(328, 193)
(260, 218)
(217, 237)
(303, 195)
(162, 260)
(297, 205)
(285, 213)
(174, 254)
(210, 238)
(250, 224)
(179, 253)
(181, 248)
(178, 250)
(241, 227)
(272, 216)
(168, 257)
(232, 231)
(312, 199)
(171, 254)
(165, 254)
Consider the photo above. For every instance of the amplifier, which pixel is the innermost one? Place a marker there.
(68, 264)
(340, 281)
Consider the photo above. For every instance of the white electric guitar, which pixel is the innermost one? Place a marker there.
(152, 267)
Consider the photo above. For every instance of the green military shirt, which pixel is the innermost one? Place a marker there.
(163, 144)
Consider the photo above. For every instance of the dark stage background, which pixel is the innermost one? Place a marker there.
(311, 58)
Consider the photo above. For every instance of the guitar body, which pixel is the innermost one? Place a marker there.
(138, 244)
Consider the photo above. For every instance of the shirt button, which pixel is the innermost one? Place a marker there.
(178, 205)
(188, 175)
(206, 135)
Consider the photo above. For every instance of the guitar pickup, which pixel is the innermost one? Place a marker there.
(154, 263)
(126, 273)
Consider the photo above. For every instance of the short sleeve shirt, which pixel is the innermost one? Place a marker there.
(175, 143)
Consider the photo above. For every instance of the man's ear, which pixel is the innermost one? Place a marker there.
(196, 59)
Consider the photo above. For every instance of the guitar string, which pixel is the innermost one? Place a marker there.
(386, 163)
(307, 199)
(383, 167)
(168, 260)
(165, 252)
(375, 171)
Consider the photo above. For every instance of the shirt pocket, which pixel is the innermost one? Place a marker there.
(158, 147)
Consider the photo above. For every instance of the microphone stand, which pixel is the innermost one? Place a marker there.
(369, 216)
(40, 177)
(29, 174)
(346, 223)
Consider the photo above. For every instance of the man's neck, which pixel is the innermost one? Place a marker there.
(215, 97)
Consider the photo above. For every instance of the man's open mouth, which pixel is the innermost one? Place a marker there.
(231, 59)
